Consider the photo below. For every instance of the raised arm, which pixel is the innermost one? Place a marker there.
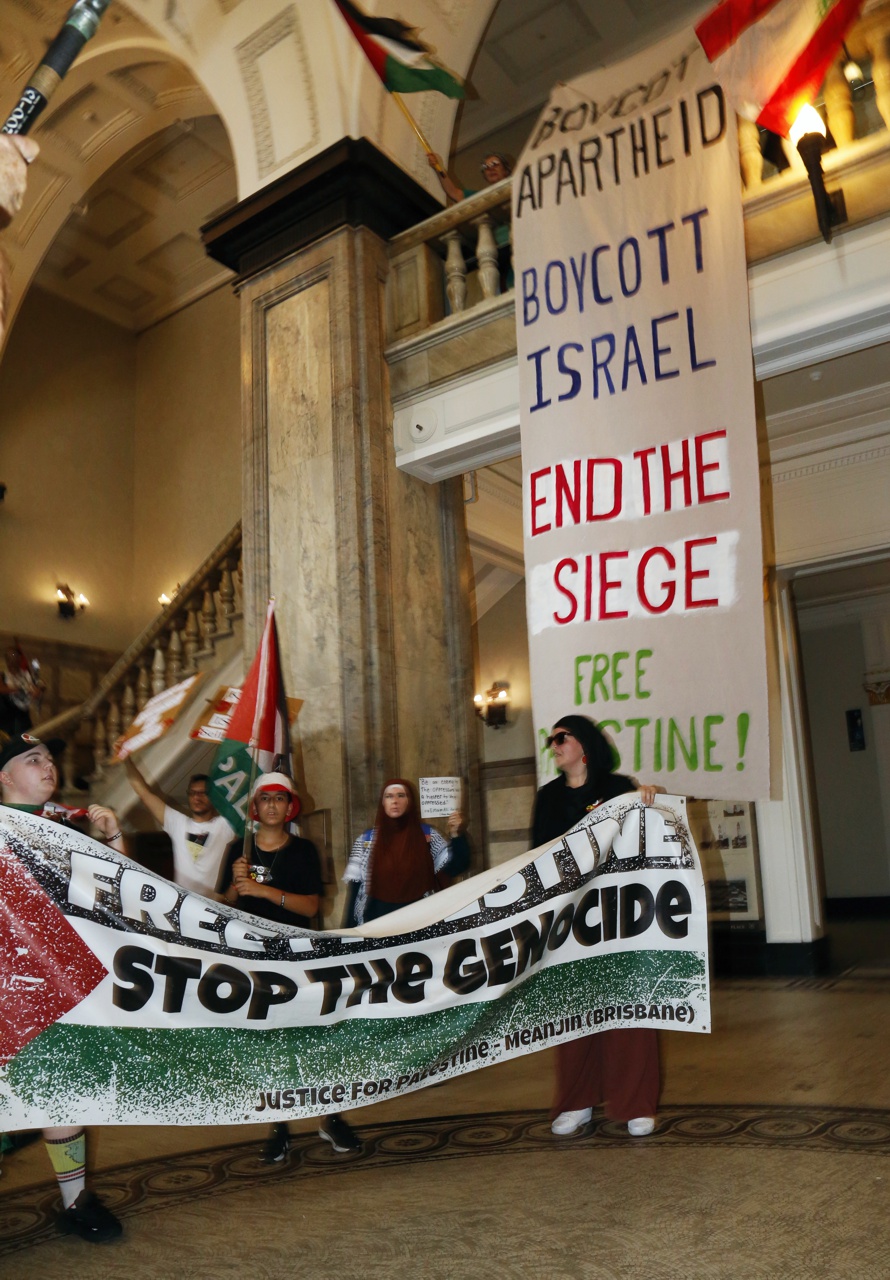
(153, 802)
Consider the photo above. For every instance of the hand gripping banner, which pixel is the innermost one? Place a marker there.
(125, 1000)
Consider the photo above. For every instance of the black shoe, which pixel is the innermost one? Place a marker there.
(275, 1149)
(89, 1219)
(339, 1134)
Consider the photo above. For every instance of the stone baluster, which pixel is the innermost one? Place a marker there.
(750, 156)
(487, 257)
(100, 744)
(877, 42)
(226, 598)
(839, 106)
(128, 704)
(158, 669)
(455, 272)
(208, 623)
(67, 766)
(239, 584)
(113, 721)
(174, 657)
(143, 681)
(192, 638)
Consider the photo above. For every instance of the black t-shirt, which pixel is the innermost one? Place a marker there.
(294, 868)
(558, 806)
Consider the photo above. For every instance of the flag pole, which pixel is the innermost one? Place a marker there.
(399, 101)
(254, 745)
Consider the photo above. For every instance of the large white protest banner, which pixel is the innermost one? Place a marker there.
(126, 1000)
(641, 481)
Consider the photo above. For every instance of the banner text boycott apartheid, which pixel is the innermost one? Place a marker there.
(129, 1000)
(641, 479)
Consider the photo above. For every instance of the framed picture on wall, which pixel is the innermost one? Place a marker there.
(725, 833)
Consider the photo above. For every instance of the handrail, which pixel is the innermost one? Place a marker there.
(147, 637)
(455, 215)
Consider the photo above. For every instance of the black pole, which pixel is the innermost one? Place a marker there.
(78, 27)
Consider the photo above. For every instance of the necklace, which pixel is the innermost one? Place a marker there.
(274, 848)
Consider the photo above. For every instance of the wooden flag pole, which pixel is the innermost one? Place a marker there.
(397, 97)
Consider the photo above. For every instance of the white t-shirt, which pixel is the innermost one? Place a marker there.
(198, 848)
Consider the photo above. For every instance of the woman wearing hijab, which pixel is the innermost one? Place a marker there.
(400, 859)
(278, 876)
(615, 1068)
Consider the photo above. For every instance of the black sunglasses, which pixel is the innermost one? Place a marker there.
(557, 739)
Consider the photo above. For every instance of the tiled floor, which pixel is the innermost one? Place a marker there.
(770, 1159)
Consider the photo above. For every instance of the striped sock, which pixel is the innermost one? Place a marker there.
(67, 1150)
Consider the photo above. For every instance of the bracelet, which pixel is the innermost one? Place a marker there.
(282, 899)
(111, 839)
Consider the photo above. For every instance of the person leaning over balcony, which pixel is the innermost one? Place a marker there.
(616, 1068)
(495, 167)
(199, 837)
(277, 876)
(28, 780)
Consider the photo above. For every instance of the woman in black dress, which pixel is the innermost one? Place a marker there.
(616, 1068)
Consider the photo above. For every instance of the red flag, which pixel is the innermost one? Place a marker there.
(771, 56)
(260, 716)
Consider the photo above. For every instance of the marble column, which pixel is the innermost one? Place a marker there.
(368, 565)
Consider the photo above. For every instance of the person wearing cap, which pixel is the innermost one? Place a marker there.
(277, 875)
(28, 780)
(616, 1068)
(200, 838)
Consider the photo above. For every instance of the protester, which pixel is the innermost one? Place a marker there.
(400, 859)
(494, 168)
(277, 875)
(617, 1068)
(199, 838)
(28, 780)
(21, 693)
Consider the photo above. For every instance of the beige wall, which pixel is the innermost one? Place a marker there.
(121, 455)
(502, 645)
(66, 455)
(187, 489)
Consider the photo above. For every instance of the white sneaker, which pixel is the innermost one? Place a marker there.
(569, 1122)
(641, 1127)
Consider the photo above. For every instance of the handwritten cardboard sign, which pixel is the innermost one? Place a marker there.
(439, 797)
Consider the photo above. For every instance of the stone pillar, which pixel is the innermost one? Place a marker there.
(368, 565)
(788, 829)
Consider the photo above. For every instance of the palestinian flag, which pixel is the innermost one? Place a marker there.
(258, 737)
(400, 60)
(771, 56)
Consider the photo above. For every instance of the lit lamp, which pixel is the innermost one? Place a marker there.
(808, 134)
(852, 70)
(68, 603)
(492, 705)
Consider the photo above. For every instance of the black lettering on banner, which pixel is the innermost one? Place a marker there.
(376, 990)
(673, 906)
(332, 980)
(530, 942)
(178, 970)
(634, 897)
(212, 992)
(413, 969)
(269, 989)
(133, 965)
(561, 928)
(460, 975)
(497, 948)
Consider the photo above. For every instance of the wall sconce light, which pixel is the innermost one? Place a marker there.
(68, 603)
(808, 133)
(492, 705)
(852, 70)
(164, 599)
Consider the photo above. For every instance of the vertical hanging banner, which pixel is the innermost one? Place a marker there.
(639, 450)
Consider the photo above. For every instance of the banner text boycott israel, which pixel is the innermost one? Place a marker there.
(641, 481)
(125, 1000)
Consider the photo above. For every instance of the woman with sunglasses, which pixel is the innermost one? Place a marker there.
(277, 875)
(400, 859)
(616, 1068)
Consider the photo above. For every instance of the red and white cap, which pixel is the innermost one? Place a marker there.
(276, 782)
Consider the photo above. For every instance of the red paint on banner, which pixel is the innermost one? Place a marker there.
(45, 967)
